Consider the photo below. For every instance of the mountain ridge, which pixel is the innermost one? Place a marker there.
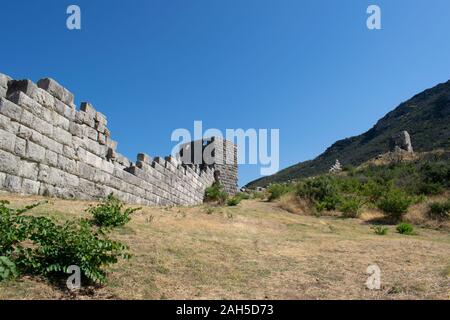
(426, 116)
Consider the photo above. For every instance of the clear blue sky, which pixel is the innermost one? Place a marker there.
(310, 68)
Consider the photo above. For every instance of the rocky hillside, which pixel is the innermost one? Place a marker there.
(426, 117)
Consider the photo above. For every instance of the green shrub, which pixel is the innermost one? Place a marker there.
(110, 212)
(233, 201)
(258, 195)
(381, 231)
(51, 248)
(243, 195)
(318, 189)
(7, 269)
(395, 204)
(351, 207)
(373, 190)
(405, 228)
(277, 190)
(215, 193)
(440, 210)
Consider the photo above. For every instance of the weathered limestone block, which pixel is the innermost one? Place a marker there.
(89, 109)
(67, 165)
(28, 170)
(62, 136)
(10, 110)
(82, 117)
(7, 141)
(26, 86)
(2, 179)
(51, 158)
(101, 139)
(8, 125)
(21, 99)
(34, 152)
(77, 129)
(65, 110)
(55, 89)
(13, 183)
(43, 98)
(30, 186)
(91, 133)
(8, 163)
(57, 177)
(144, 158)
(3, 92)
(60, 121)
(41, 126)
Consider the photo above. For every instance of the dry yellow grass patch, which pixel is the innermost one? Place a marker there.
(255, 250)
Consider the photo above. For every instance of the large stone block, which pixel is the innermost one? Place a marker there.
(8, 125)
(26, 86)
(77, 129)
(30, 186)
(56, 90)
(65, 110)
(21, 99)
(62, 136)
(43, 98)
(3, 92)
(28, 170)
(8, 163)
(89, 109)
(7, 141)
(34, 152)
(13, 183)
(10, 110)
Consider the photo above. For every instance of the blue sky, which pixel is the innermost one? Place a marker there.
(310, 68)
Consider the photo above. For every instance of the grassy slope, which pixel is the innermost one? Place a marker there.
(426, 117)
(254, 251)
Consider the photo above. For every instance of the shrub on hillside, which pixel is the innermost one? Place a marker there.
(110, 212)
(380, 230)
(215, 193)
(8, 269)
(318, 189)
(440, 210)
(277, 190)
(351, 207)
(38, 245)
(405, 228)
(395, 203)
(234, 201)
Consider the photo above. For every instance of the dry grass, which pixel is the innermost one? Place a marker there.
(256, 250)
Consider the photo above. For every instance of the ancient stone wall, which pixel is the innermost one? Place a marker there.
(48, 147)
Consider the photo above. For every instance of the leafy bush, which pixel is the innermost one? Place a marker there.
(38, 245)
(7, 269)
(318, 189)
(395, 204)
(351, 207)
(277, 190)
(215, 193)
(381, 231)
(109, 213)
(233, 201)
(405, 228)
(440, 210)
(243, 195)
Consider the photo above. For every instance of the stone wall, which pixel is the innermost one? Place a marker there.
(48, 147)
